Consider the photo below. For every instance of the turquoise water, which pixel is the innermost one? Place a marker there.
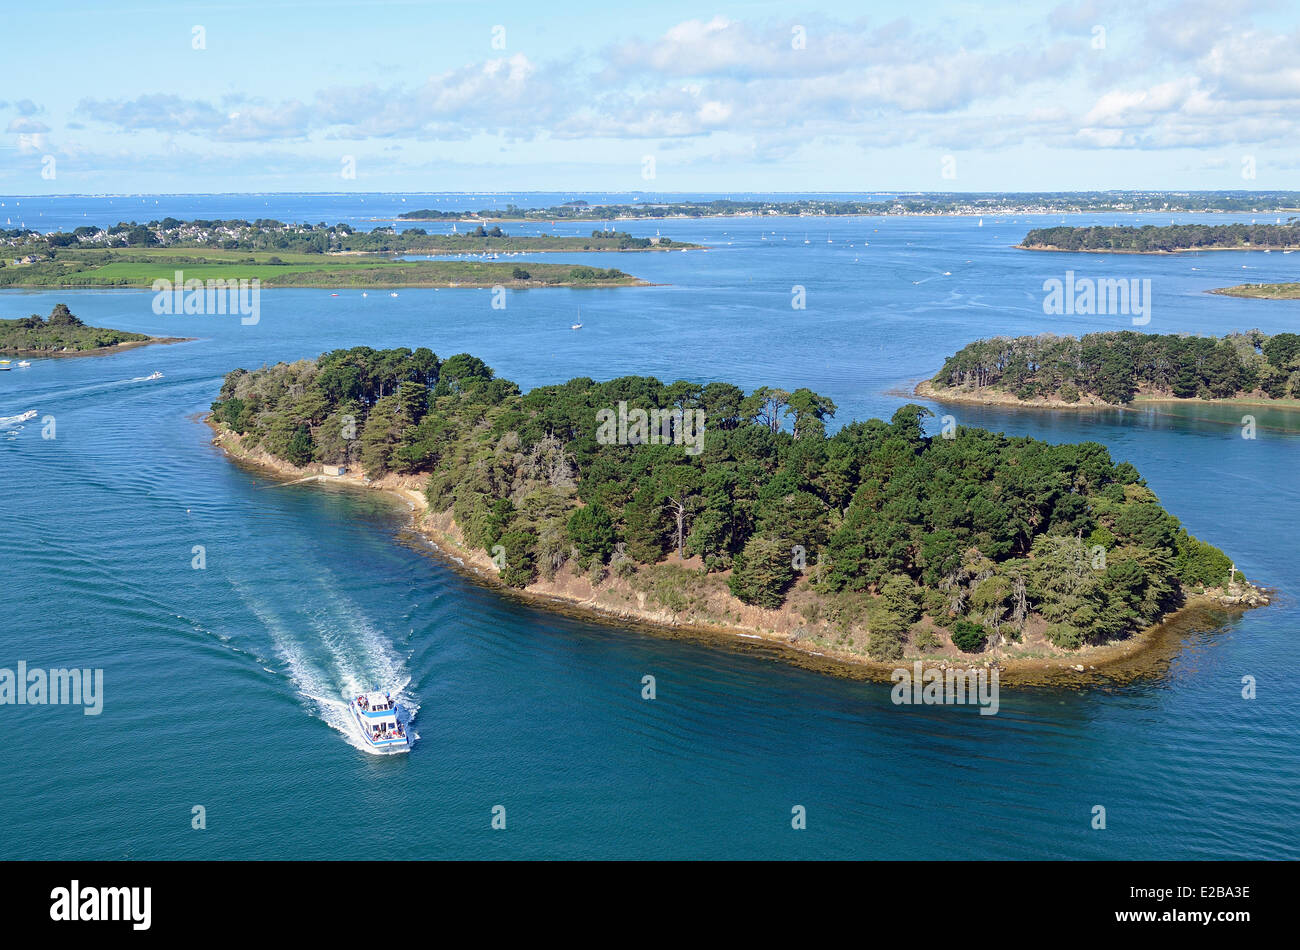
(224, 686)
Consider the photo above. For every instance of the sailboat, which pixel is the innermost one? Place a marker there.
(981, 224)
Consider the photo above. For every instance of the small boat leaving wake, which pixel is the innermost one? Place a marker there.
(376, 716)
(15, 420)
(145, 379)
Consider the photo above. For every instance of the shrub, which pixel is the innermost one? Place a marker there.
(1063, 635)
(969, 637)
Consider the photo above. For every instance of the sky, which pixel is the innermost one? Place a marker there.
(655, 96)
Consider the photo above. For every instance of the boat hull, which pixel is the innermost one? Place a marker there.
(383, 746)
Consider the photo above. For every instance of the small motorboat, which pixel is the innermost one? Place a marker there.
(154, 375)
(376, 716)
(576, 326)
(24, 363)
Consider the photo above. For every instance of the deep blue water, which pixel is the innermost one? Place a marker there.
(222, 686)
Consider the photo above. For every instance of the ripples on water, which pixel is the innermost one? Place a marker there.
(226, 687)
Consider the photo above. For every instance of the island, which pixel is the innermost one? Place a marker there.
(706, 508)
(1114, 368)
(1171, 239)
(64, 334)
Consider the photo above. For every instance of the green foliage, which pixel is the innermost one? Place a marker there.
(591, 529)
(1152, 238)
(520, 566)
(1200, 564)
(968, 637)
(1115, 365)
(762, 572)
(62, 330)
(893, 523)
(1063, 635)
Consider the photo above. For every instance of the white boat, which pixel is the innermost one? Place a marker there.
(154, 375)
(576, 326)
(376, 716)
(393, 294)
(24, 363)
(4, 366)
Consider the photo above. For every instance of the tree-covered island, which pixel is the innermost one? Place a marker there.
(62, 333)
(877, 542)
(1174, 238)
(1114, 368)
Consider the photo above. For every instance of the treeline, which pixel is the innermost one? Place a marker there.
(1175, 237)
(61, 330)
(1115, 366)
(982, 536)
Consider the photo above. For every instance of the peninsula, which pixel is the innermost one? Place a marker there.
(706, 507)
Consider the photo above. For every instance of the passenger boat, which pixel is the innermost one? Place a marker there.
(376, 716)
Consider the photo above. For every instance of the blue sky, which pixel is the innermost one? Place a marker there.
(665, 96)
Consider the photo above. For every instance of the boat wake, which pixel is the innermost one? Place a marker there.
(18, 420)
(332, 653)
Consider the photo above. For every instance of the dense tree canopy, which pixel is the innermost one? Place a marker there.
(994, 531)
(1175, 237)
(1115, 366)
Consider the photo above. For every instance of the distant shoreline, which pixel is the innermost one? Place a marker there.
(1052, 248)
